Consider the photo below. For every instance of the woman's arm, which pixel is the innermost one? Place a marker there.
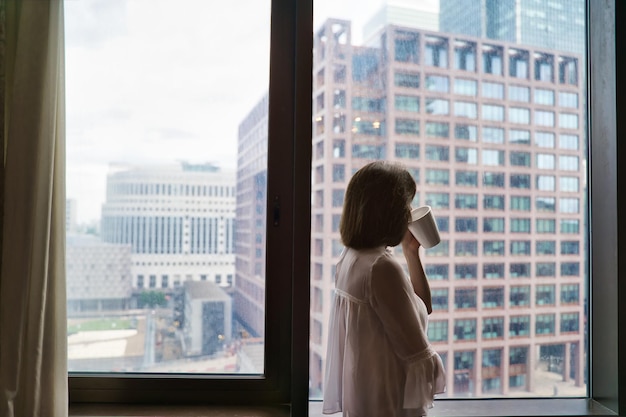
(410, 248)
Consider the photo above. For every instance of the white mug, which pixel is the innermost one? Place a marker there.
(424, 227)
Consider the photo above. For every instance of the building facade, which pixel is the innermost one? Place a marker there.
(249, 288)
(98, 275)
(492, 132)
(177, 219)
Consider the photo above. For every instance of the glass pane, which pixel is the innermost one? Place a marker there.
(166, 185)
(502, 156)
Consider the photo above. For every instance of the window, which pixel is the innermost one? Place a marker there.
(545, 97)
(493, 327)
(437, 130)
(406, 46)
(546, 225)
(544, 324)
(466, 224)
(569, 226)
(493, 297)
(544, 118)
(438, 200)
(546, 161)
(465, 132)
(544, 139)
(436, 52)
(436, 271)
(520, 181)
(520, 247)
(465, 248)
(569, 184)
(493, 271)
(466, 155)
(406, 79)
(466, 201)
(465, 87)
(493, 179)
(545, 295)
(464, 329)
(492, 90)
(493, 225)
(519, 159)
(570, 247)
(439, 298)
(464, 55)
(520, 225)
(491, 64)
(437, 153)
(519, 270)
(568, 120)
(568, 163)
(570, 294)
(518, 63)
(569, 322)
(567, 99)
(407, 150)
(407, 103)
(464, 298)
(437, 176)
(519, 326)
(519, 93)
(568, 142)
(492, 59)
(437, 106)
(544, 64)
(407, 127)
(493, 135)
(519, 115)
(492, 112)
(546, 182)
(493, 247)
(438, 331)
(466, 178)
(437, 83)
(545, 269)
(465, 271)
(545, 204)
(519, 137)
(493, 202)
(492, 157)
(465, 109)
(519, 296)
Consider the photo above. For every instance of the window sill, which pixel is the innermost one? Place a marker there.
(443, 408)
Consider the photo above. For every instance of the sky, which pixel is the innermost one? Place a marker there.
(161, 81)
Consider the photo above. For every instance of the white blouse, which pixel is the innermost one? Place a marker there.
(379, 361)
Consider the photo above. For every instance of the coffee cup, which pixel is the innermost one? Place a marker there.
(424, 227)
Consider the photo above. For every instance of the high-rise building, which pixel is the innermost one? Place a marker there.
(249, 288)
(178, 220)
(492, 132)
(555, 24)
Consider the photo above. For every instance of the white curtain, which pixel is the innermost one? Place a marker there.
(33, 340)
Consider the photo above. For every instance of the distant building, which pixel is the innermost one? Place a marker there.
(423, 14)
(98, 275)
(555, 24)
(178, 220)
(249, 288)
(71, 215)
(208, 318)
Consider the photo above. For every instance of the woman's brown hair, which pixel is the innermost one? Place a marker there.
(376, 207)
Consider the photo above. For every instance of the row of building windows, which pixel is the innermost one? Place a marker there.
(489, 134)
(404, 125)
(520, 270)
(170, 235)
(132, 188)
(492, 225)
(164, 282)
(521, 63)
(461, 86)
(467, 248)
(494, 327)
(494, 297)
(470, 201)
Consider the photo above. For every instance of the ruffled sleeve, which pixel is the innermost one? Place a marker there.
(403, 316)
(425, 377)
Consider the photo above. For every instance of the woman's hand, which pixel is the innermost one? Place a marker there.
(410, 245)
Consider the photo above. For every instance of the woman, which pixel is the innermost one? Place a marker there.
(379, 361)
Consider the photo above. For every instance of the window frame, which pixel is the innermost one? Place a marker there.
(290, 117)
(288, 232)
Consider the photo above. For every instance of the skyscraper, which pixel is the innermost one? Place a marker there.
(556, 24)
